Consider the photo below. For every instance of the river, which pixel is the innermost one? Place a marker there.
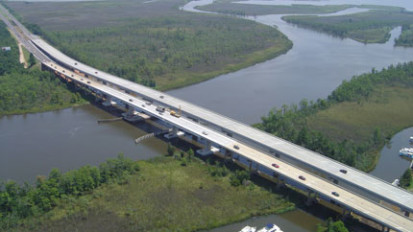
(32, 144)
(312, 69)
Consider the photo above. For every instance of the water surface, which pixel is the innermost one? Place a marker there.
(33, 144)
(391, 166)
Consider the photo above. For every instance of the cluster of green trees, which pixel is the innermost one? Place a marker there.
(18, 202)
(290, 122)
(372, 26)
(24, 90)
(8, 59)
(331, 226)
(406, 179)
(220, 169)
(406, 38)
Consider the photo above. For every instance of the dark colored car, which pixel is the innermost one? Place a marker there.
(343, 171)
(302, 177)
(335, 194)
(275, 165)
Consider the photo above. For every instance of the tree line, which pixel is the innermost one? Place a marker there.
(19, 202)
(406, 37)
(27, 90)
(290, 122)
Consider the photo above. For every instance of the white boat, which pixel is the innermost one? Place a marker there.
(411, 139)
(270, 228)
(248, 229)
(407, 152)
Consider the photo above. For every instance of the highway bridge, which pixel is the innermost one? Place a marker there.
(353, 190)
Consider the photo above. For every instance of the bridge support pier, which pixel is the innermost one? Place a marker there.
(107, 102)
(207, 150)
(406, 213)
(174, 133)
(346, 213)
(280, 183)
(311, 198)
(411, 165)
(385, 229)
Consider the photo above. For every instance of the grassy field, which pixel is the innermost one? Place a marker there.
(153, 43)
(387, 109)
(356, 120)
(370, 27)
(163, 196)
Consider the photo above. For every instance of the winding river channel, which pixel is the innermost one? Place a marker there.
(33, 144)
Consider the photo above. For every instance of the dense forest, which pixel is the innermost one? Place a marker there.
(369, 27)
(18, 202)
(28, 90)
(158, 52)
(162, 48)
(292, 122)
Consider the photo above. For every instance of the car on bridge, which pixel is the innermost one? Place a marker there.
(301, 177)
(275, 165)
(335, 194)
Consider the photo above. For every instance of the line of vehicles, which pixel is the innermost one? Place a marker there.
(162, 109)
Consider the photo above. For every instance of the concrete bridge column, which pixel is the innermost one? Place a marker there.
(206, 150)
(172, 133)
(280, 183)
(385, 229)
(107, 101)
(249, 165)
(346, 213)
(311, 196)
(130, 111)
(406, 213)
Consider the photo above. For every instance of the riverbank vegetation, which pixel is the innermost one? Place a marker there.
(154, 43)
(368, 27)
(28, 90)
(406, 180)
(20, 202)
(164, 194)
(406, 38)
(337, 226)
(355, 121)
